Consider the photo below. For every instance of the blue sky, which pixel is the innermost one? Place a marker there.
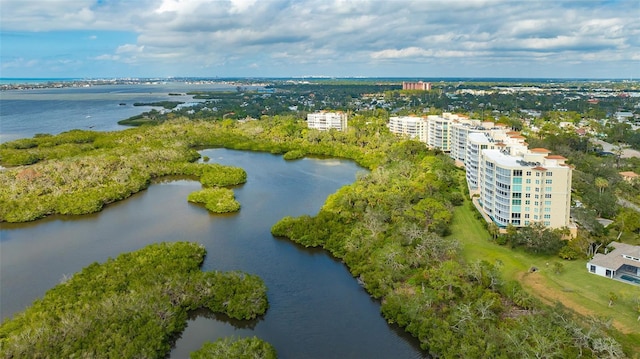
(283, 38)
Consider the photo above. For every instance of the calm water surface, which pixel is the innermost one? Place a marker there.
(24, 113)
(317, 310)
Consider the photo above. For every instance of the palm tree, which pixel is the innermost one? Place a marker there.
(601, 183)
(493, 229)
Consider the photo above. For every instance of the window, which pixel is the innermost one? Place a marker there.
(527, 202)
(516, 202)
(526, 223)
(548, 195)
(515, 215)
(547, 216)
(537, 174)
(528, 180)
(526, 215)
(537, 189)
(592, 268)
(528, 173)
(536, 203)
(535, 217)
(549, 173)
(517, 180)
(547, 223)
(547, 203)
(537, 196)
(527, 195)
(515, 222)
(547, 189)
(548, 181)
(528, 189)
(547, 209)
(517, 173)
(517, 195)
(537, 181)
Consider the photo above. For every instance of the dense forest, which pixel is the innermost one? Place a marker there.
(390, 227)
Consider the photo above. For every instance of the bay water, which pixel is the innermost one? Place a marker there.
(317, 309)
(24, 113)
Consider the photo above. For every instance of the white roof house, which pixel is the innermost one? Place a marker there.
(622, 263)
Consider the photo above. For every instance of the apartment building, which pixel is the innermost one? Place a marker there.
(516, 185)
(525, 188)
(422, 86)
(324, 120)
(438, 135)
(476, 142)
(412, 126)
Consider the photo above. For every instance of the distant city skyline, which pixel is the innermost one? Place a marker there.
(340, 38)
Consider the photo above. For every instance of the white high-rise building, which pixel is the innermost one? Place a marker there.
(476, 142)
(438, 135)
(523, 189)
(324, 120)
(412, 126)
(516, 186)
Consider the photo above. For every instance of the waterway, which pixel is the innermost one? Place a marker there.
(24, 113)
(317, 309)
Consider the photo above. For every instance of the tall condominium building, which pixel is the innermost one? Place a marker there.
(516, 186)
(411, 126)
(423, 86)
(522, 189)
(327, 120)
(476, 142)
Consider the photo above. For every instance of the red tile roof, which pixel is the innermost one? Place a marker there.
(540, 150)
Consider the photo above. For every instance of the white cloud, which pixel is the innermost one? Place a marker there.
(19, 63)
(129, 48)
(342, 34)
(241, 6)
(106, 57)
(402, 53)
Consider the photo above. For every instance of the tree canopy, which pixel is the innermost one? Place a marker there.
(130, 306)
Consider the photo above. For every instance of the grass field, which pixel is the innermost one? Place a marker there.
(574, 287)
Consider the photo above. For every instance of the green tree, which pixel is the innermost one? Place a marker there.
(493, 229)
(601, 183)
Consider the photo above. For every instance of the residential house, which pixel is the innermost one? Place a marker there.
(622, 263)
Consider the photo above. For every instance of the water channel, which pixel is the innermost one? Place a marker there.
(317, 309)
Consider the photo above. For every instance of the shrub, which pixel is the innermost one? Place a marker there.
(218, 175)
(246, 348)
(569, 252)
(502, 240)
(216, 200)
(456, 198)
(294, 155)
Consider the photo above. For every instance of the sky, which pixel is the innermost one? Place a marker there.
(335, 38)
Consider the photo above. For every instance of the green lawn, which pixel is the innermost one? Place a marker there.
(574, 287)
